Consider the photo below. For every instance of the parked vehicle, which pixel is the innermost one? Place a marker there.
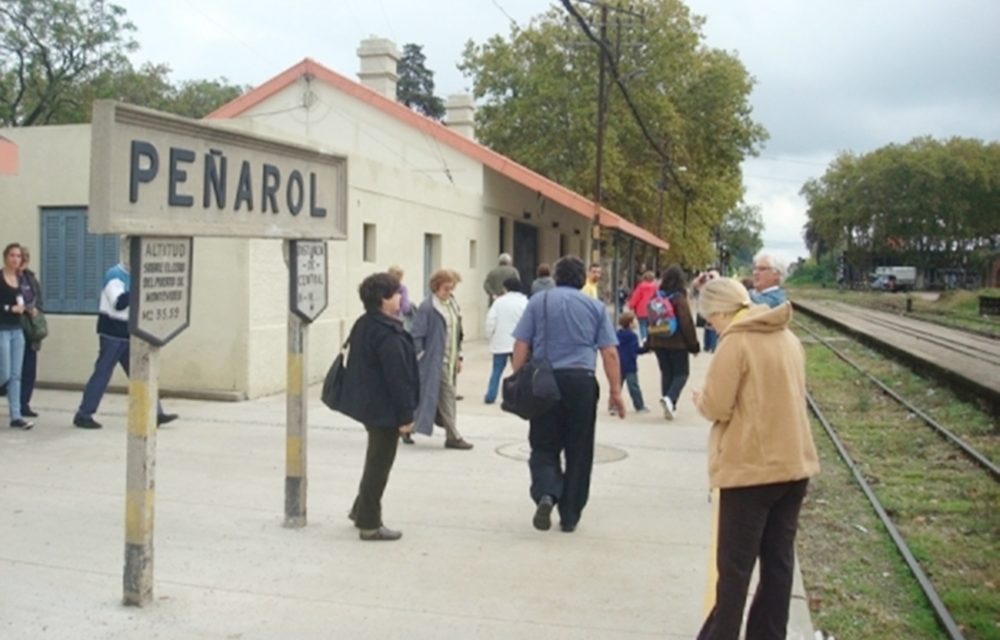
(894, 278)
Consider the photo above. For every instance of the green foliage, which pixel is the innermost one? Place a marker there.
(61, 55)
(536, 93)
(927, 203)
(415, 87)
(740, 236)
(813, 273)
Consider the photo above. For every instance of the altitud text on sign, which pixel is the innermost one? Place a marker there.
(160, 294)
(157, 174)
(307, 267)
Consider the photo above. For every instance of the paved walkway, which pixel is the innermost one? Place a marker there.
(469, 565)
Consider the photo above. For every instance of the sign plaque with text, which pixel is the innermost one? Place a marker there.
(160, 294)
(307, 286)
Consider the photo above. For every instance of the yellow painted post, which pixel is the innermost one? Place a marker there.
(296, 443)
(140, 465)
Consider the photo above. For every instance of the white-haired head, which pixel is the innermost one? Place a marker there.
(771, 269)
(505, 259)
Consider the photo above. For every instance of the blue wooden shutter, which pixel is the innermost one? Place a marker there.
(74, 261)
(53, 274)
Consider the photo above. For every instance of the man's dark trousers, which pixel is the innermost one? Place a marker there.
(758, 520)
(569, 427)
(381, 453)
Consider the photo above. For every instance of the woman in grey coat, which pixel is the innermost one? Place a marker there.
(437, 336)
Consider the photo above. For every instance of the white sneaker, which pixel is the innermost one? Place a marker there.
(668, 408)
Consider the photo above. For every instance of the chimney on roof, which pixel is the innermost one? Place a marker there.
(460, 114)
(379, 58)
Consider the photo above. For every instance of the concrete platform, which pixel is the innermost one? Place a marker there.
(470, 565)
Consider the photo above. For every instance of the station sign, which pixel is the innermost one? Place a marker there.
(160, 292)
(156, 174)
(307, 270)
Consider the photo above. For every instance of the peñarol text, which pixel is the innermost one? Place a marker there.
(241, 186)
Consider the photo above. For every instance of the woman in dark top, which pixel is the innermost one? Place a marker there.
(672, 352)
(11, 334)
(31, 291)
(383, 380)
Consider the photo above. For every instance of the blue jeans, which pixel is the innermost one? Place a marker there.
(112, 351)
(643, 329)
(711, 339)
(499, 362)
(11, 362)
(632, 380)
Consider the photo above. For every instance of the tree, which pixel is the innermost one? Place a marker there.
(49, 48)
(740, 235)
(928, 203)
(536, 96)
(415, 87)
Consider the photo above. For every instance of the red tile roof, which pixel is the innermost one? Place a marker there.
(495, 161)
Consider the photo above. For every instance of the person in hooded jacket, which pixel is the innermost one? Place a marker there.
(761, 456)
(385, 383)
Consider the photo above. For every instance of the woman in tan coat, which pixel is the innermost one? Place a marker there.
(760, 456)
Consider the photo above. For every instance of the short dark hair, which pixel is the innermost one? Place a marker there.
(625, 319)
(512, 284)
(543, 270)
(570, 272)
(376, 288)
(673, 279)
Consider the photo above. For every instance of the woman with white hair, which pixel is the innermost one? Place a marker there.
(761, 456)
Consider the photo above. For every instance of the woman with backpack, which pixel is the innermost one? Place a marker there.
(673, 345)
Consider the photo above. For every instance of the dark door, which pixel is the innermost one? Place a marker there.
(525, 252)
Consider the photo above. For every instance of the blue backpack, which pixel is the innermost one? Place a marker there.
(662, 318)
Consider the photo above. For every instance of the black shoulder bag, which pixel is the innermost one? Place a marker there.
(532, 390)
(333, 383)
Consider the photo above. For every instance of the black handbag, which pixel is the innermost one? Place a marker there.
(532, 390)
(333, 385)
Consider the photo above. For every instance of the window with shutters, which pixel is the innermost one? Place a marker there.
(73, 261)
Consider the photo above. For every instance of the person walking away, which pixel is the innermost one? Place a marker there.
(113, 344)
(31, 292)
(12, 334)
(628, 355)
(437, 337)
(761, 456)
(672, 352)
(543, 279)
(768, 275)
(638, 302)
(574, 328)
(591, 287)
(493, 285)
(382, 374)
(710, 337)
(501, 319)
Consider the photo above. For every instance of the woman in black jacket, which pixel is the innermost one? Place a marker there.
(672, 351)
(382, 378)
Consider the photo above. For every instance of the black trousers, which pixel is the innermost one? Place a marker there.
(675, 367)
(29, 373)
(381, 453)
(567, 427)
(758, 521)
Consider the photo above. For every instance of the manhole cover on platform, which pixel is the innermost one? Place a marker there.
(522, 450)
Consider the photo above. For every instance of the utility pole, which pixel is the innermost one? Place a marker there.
(602, 106)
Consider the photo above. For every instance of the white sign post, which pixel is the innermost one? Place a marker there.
(166, 179)
(307, 298)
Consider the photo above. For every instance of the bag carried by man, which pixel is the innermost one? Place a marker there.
(662, 317)
(532, 390)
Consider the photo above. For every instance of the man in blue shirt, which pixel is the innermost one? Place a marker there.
(568, 328)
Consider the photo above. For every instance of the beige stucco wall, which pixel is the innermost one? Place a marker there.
(209, 357)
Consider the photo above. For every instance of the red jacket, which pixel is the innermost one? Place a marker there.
(643, 293)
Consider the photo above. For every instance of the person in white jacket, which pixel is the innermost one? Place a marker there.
(501, 319)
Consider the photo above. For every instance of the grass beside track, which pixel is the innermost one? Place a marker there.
(947, 508)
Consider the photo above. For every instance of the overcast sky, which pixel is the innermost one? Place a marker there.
(833, 75)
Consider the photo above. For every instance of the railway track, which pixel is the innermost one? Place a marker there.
(944, 617)
(968, 450)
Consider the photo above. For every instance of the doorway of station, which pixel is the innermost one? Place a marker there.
(525, 252)
(432, 258)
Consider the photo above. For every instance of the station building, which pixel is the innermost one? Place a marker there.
(421, 194)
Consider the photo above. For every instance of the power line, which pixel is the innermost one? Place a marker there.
(507, 15)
